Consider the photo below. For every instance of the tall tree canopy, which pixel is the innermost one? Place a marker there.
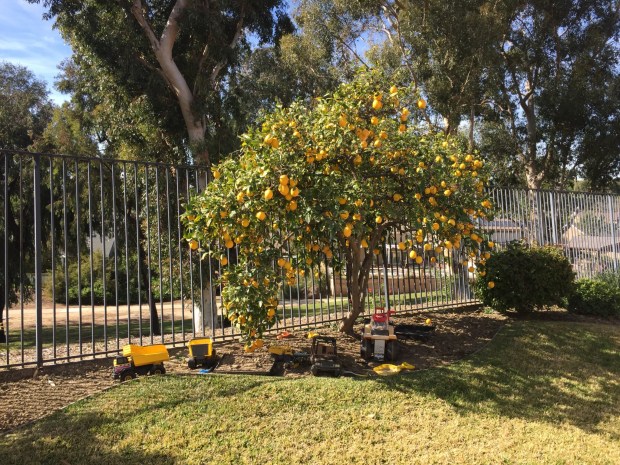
(25, 108)
(536, 79)
(173, 54)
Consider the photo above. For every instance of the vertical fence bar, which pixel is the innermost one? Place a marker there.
(169, 227)
(149, 289)
(103, 258)
(53, 245)
(613, 234)
(37, 259)
(6, 257)
(138, 248)
(116, 237)
(21, 257)
(179, 236)
(126, 237)
(64, 255)
(158, 231)
(90, 255)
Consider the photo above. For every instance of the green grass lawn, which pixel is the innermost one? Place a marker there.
(540, 393)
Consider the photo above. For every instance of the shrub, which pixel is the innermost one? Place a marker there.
(525, 279)
(599, 296)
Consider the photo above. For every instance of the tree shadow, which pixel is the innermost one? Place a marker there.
(80, 437)
(72, 439)
(552, 372)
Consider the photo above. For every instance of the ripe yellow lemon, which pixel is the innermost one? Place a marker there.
(268, 195)
(261, 216)
(421, 104)
(193, 244)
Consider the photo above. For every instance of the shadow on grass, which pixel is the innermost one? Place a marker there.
(540, 371)
(72, 439)
(94, 433)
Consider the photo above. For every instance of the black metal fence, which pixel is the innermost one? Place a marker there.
(92, 258)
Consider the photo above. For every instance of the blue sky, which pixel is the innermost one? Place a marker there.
(28, 40)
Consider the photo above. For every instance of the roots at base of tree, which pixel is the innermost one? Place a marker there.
(346, 325)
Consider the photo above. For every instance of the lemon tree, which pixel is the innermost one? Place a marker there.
(325, 181)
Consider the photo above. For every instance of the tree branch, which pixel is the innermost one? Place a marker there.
(233, 43)
(138, 13)
(169, 35)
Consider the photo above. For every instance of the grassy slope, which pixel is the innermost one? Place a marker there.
(541, 393)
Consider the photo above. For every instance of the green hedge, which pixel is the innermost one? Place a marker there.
(526, 279)
(599, 296)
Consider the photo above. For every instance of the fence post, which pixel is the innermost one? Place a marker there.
(37, 258)
(613, 232)
(554, 226)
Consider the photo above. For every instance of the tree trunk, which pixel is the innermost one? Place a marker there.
(357, 283)
(533, 175)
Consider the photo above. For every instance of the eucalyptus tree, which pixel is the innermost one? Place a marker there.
(175, 54)
(539, 77)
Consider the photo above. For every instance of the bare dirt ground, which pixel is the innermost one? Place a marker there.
(29, 394)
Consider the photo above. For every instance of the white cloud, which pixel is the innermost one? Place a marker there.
(28, 40)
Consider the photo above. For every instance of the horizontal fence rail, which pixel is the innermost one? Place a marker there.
(93, 257)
